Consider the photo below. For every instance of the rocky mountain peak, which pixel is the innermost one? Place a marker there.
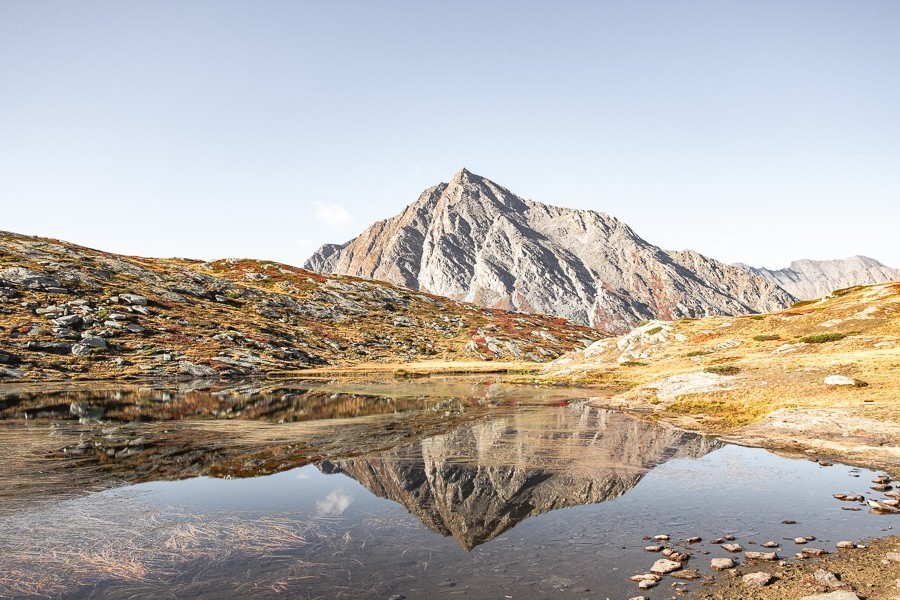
(474, 240)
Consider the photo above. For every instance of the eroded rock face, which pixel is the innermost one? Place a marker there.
(520, 466)
(473, 240)
(809, 279)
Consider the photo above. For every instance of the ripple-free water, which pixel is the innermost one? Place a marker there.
(539, 502)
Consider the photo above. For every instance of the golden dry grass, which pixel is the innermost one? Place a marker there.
(773, 368)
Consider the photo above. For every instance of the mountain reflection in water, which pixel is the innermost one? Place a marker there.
(478, 481)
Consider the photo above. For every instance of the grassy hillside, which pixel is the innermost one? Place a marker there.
(68, 312)
(822, 375)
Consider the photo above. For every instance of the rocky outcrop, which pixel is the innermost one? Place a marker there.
(809, 279)
(476, 241)
(477, 482)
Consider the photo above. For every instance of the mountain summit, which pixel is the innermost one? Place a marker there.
(473, 240)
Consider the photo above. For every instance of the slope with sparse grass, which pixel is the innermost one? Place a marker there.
(69, 312)
(820, 376)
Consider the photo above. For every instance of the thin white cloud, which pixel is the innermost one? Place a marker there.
(334, 504)
(331, 214)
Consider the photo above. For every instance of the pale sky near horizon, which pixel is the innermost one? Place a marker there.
(758, 131)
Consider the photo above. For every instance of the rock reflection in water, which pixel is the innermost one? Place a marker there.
(476, 482)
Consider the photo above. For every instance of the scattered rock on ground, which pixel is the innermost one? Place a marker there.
(838, 595)
(721, 564)
(759, 579)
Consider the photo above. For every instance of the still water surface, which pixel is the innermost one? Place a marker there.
(533, 498)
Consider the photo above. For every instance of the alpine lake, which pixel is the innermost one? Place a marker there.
(439, 487)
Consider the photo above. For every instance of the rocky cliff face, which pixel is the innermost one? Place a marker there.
(473, 240)
(809, 279)
(517, 467)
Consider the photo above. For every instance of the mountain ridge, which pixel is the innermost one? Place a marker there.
(808, 279)
(473, 240)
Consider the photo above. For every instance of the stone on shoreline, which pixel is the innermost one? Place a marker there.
(758, 579)
(838, 595)
(664, 566)
(762, 555)
(721, 564)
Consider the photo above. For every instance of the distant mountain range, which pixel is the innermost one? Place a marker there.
(474, 240)
(808, 279)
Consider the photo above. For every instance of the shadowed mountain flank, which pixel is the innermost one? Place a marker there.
(518, 466)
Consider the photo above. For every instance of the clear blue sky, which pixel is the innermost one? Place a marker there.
(753, 131)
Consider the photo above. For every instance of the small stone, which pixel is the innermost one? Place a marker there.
(838, 595)
(81, 349)
(639, 598)
(653, 548)
(664, 566)
(721, 564)
(761, 555)
(730, 538)
(827, 579)
(133, 299)
(195, 370)
(814, 552)
(646, 576)
(661, 538)
(11, 373)
(788, 522)
(771, 544)
(688, 574)
(134, 328)
(647, 584)
(694, 540)
(94, 341)
(758, 579)
(732, 547)
(839, 380)
(672, 554)
(717, 541)
(68, 321)
(846, 544)
(799, 540)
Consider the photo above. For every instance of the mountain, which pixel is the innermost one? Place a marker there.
(518, 466)
(476, 241)
(809, 279)
(71, 312)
